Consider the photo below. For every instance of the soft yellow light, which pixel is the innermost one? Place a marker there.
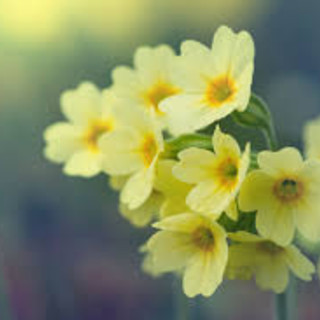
(32, 20)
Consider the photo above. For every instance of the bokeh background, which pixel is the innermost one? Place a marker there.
(65, 251)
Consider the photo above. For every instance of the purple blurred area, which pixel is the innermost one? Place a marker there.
(66, 252)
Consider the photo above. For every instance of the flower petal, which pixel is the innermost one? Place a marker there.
(194, 165)
(170, 250)
(82, 104)
(301, 266)
(138, 188)
(62, 141)
(285, 160)
(84, 163)
(276, 223)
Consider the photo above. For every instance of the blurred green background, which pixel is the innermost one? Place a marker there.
(66, 252)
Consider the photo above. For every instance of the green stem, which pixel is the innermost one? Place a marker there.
(175, 145)
(271, 137)
(281, 306)
(181, 302)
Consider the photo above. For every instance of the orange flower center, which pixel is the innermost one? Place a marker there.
(95, 130)
(220, 90)
(149, 149)
(158, 92)
(203, 238)
(227, 171)
(288, 190)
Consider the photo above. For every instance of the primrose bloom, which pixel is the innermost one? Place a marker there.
(166, 199)
(173, 190)
(286, 195)
(90, 115)
(251, 255)
(133, 150)
(214, 82)
(193, 244)
(150, 82)
(217, 175)
(312, 138)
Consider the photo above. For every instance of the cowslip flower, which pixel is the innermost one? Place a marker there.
(173, 190)
(90, 115)
(311, 135)
(214, 82)
(133, 150)
(286, 195)
(216, 176)
(194, 245)
(166, 199)
(251, 255)
(151, 81)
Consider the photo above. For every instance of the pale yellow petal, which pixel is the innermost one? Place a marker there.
(244, 82)
(285, 160)
(223, 143)
(144, 214)
(138, 188)
(62, 141)
(170, 250)
(308, 222)
(194, 165)
(300, 265)
(184, 223)
(276, 223)
(166, 182)
(117, 182)
(273, 275)
(187, 113)
(172, 206)
(206, 197)
(222, 46)
(255, 191)
(82, 104)
(243, 236)
(204, 272)
(84, 163)
(120, 150)
(154, 64)
(124, 80)
(242, 55)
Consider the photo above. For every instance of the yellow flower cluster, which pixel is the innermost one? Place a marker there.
(220, 210)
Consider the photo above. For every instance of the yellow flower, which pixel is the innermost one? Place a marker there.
(192, 244)
(151, 81)
(173, 190)
(312, 138)
(268, 262)
(133, 150)
(90, 115)
(215, 81)
(167, 197)
(146, 212)
(217, 176)
(285, 192)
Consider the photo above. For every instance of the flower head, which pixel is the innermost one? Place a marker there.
(214, 81)
(192, 244)
(150, 82)
(216, 176)
(133, 150)
(90, 114)
(270, 263)
(286, 195)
